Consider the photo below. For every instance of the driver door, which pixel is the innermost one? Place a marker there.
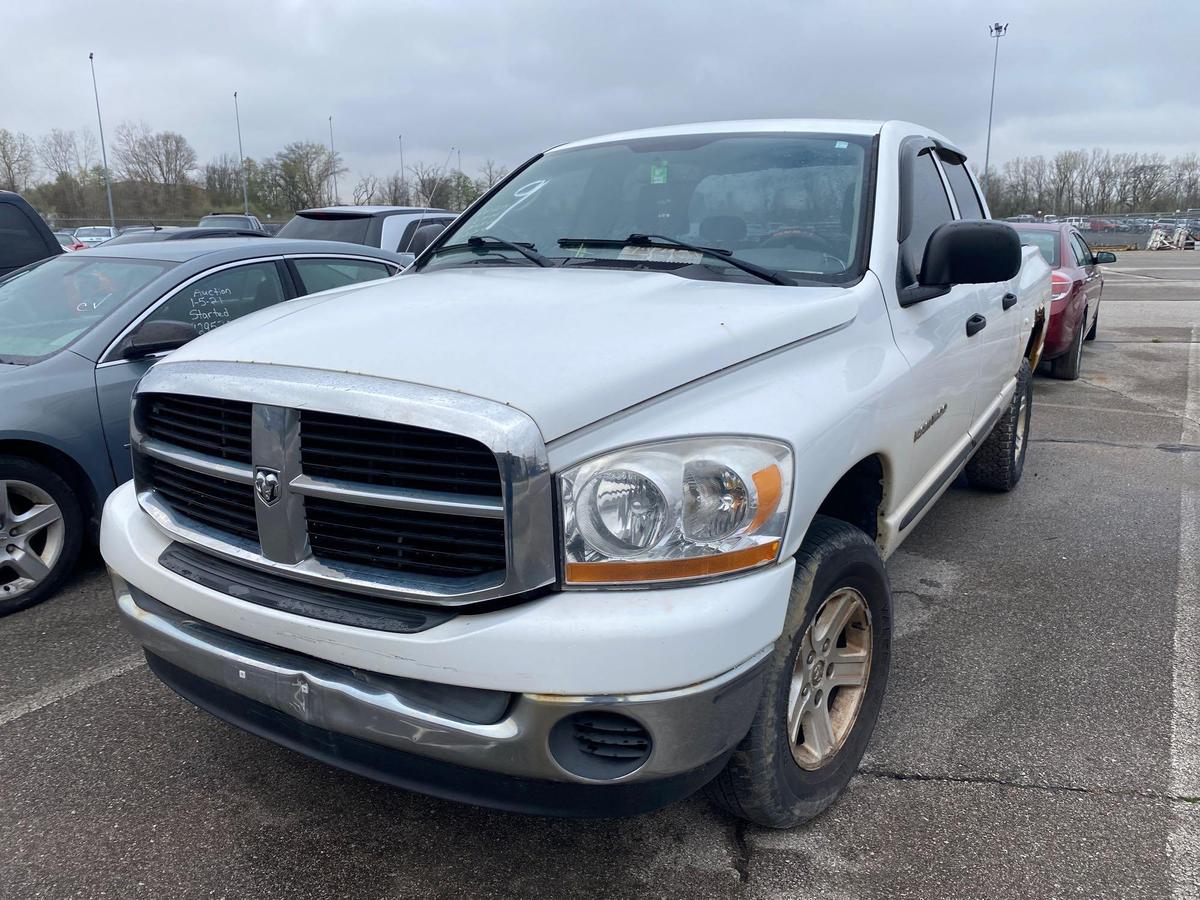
(193, 308)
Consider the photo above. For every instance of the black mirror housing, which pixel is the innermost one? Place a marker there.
(1104, 257)
(424, 236)
(157, 337)
(971, 252)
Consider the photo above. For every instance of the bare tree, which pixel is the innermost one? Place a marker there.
(16, 160)
(490, 173)
(163, 158)
(365, 190)
(59, 152)
(431, 185)
(395, 190)
(222, 181)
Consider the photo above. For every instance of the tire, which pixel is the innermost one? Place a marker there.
(764, 781)
(52, 540)
(999, 461)
(1091, 335)
(1067, 366)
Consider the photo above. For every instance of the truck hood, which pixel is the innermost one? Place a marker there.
(566, 346)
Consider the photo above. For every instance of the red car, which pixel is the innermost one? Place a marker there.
(1075, 299)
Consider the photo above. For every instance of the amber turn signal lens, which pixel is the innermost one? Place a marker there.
(628, 571)
(769, 484)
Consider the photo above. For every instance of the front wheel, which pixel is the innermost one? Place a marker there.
(822, 687)
(41, 532)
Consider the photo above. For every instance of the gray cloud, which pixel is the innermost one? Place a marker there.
(502, 81)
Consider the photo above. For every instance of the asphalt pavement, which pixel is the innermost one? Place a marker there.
(1040, 737)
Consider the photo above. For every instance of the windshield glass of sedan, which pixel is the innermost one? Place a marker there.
(92, 232)
(1045, 241)
(226, 222)
(46, 306)
(788, 203)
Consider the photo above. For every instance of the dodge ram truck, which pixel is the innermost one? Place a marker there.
(588, 509)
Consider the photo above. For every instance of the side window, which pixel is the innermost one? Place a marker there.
(930, 208)
(216, 299)
(1083, 253)
(969, 206)
(323, 274)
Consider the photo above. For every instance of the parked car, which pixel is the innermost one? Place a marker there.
(95, 234)
(69, 242)
(24, 235)
(591, 506)
(388, 227)
(170, 233)
(231, 221)
(1077, 283)
(1102, 225)
(77, 332)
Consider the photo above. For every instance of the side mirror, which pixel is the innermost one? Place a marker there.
(157, 337)
(424, 236)
(966, 252)
(1103, 257)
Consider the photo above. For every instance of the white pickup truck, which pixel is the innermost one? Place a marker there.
(589, 508)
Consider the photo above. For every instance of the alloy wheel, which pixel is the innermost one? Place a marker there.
(32, 536)
(829, 679)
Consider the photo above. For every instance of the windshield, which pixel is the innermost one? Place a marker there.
(47, 305)
(1045, 241)
(92, 232)
(786, 203)
(327, 227)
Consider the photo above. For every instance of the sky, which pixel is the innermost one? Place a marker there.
(503, 79)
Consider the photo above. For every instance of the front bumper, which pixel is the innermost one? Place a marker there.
(388, 729)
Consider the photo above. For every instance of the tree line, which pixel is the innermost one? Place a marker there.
(1094, 182)
(157, 175)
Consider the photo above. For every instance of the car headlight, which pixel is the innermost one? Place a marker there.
(675, 510)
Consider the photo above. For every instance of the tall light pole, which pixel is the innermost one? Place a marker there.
(332, 162)
(241, 156)
(112, 217)
(996, 31)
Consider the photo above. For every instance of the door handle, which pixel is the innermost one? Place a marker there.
(1009, 301)
(975, 324)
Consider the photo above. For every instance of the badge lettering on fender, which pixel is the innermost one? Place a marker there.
(928, 423)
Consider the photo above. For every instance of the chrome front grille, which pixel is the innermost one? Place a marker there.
(384, 487)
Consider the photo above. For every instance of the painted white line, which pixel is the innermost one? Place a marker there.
(69, 687)
(1183, 843)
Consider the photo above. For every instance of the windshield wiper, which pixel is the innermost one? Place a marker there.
(661, 240)
(481, 241)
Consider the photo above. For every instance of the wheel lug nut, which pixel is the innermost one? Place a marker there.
(829, 669)
(11, 548)
(817, 699)
(811, 657)
(825, 646)
(804, 691)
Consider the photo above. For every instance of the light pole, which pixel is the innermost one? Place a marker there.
(112, 217)
(241, 156)
(332, 162)
(996, 31)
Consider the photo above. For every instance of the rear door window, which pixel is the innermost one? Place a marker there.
(969, 206)
(323, 274)
(1083, 253)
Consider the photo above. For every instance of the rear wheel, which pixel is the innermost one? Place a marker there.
(41, 531)
(823, 684)
(1068, 365)
(1000, 459)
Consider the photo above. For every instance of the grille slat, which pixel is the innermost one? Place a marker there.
(404, 540)
(394, 455)
(214, 427)
(220, 504)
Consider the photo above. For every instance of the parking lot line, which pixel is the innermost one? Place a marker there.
(1184, 838)
(69, 687)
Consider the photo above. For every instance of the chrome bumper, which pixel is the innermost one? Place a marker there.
(690, 727)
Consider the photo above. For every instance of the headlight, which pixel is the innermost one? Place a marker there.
(675, 510)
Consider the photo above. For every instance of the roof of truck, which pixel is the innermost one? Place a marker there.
(741, 126)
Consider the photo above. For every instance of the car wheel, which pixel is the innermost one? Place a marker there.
(1000, 459)
(823, 684)
(1091, 335)
(1068, 365)
(41, 531)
